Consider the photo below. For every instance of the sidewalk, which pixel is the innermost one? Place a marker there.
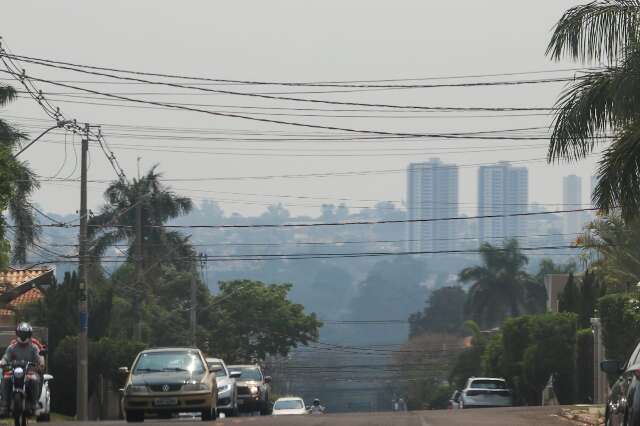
(591, 415)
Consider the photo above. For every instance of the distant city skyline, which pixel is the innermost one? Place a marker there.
(502, 190)
(432, 193)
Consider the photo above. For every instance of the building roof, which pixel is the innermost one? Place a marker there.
(19, 287)
(15, 277)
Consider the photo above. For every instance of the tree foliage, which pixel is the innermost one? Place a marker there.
(443, 313)
(499, 286)
(602, 101)
(251, 320)
(17, 183)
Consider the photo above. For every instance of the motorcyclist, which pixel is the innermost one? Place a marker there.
(316, 408)
(23, 350)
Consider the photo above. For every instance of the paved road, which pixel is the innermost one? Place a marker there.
(519, 416)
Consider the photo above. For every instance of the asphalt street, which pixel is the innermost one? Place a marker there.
(518, 416)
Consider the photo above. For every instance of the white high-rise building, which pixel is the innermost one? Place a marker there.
(432, 193)
(572, 200)
(503, 190)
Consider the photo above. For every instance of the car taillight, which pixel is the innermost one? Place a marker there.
(450, 405)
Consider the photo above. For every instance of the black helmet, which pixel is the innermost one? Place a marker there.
(316, 401)
(24, 331)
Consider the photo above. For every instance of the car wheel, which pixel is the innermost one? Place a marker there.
(134, 416)
(209, 415)
(43, 418)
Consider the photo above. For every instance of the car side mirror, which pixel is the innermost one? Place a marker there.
(235, 374)
(612, 366)
(267, 379)
(47, 377)
(123, 370)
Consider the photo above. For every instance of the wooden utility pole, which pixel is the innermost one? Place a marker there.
(83, 347)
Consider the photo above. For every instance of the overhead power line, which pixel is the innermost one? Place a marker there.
(228, 92)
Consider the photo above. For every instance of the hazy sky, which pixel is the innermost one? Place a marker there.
(291, 40)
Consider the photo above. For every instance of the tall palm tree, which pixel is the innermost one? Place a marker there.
(603, 106)
(18, 183)
(611, 250)
(498, 286)
(117, 221)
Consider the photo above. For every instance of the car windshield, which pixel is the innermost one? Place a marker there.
(249, 373)
(218, 368)
(154, 362)
(290, 404)
(488, 384)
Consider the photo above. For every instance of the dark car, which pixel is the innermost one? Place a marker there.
(254, 388)
(623, 405)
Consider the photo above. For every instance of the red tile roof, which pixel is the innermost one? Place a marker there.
(12, 279)
(30, 296)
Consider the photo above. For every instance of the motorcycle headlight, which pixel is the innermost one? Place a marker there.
(224, 388)
(18, 373)
(195, 386)
(131, 389)
(253, 389)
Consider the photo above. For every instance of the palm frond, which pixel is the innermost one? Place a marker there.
(7, 94)
(596, 103)
(26, 233)
(595, 31)
(619, 175)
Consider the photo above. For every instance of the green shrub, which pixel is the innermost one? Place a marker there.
(584, 366)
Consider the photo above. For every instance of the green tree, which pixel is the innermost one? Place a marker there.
(17, 183)
(589, 294)
(610, 246)
(250, 320)
(469, 362)
(117, 222)
(549, 267)
(443, 313)
(570, 297)
(602, 102)
(498, 285)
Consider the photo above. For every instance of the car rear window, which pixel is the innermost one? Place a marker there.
(488, 384)
(292, 404)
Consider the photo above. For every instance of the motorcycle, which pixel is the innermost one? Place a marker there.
(19, 405)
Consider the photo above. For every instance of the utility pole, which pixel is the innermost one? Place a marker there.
(137, 326)
(193, 307)
(83, 347)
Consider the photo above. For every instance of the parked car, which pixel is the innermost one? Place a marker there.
(289, 406)
(227, 390)
(253, 388)
(167, 381)
(623, 403)
(454, 401)
(486, 392)
(43, 408)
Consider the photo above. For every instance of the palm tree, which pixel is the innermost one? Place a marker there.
(611, 249)
(498, 286)
(17, 186)
(604, 104)
(117, 221)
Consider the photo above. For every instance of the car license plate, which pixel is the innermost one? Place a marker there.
(164, 402)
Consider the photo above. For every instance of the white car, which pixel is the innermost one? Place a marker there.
(486, 392)
(289, 406)
(43, 408)
(227, 389)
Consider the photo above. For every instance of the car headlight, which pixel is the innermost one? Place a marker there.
(131, 389)
(224, 388)
(195, 386)
(253, 389)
